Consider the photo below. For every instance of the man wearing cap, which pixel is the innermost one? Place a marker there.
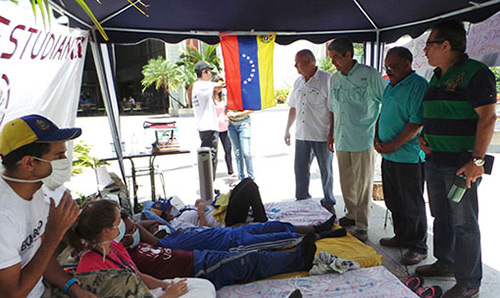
(33, 154)
(204, 109)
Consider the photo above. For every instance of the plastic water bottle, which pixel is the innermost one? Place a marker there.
(134, 142)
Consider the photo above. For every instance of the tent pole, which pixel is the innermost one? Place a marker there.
(108, 104)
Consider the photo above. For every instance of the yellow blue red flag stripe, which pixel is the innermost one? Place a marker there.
(248, 64)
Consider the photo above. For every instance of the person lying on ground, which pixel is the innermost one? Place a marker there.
(269, 235)
(228, 210)
(100, 229)
(222, 268)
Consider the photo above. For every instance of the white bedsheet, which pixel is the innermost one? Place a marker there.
(361, 283)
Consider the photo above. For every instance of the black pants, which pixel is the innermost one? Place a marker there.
(403, 185)
(209, 138)
(226, 144)
(245, 195)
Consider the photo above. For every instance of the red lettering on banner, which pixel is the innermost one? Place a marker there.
(14, 41)
(59, 49)
(67, 48)
(41, 46)
(31, 31)
(45, 53)
(4, 96)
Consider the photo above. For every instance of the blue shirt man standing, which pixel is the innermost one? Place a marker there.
(402, 168)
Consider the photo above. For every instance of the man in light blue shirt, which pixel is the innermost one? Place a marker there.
(356, 94)
(402, 169)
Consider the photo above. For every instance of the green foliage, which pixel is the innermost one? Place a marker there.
(281, 95)
(161, 73)
(82, 158)
(189, 57)
(325, 64)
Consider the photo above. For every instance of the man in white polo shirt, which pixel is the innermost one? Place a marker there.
(308, 103)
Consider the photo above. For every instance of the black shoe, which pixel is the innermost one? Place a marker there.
(333, 234)
(328, 205)
(461, 291)
(345, 222)
(412, 258)
(390, 242)
(326, 226)
(433, 270)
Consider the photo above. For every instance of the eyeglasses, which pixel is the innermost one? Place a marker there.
(390, 68)
(429, 42)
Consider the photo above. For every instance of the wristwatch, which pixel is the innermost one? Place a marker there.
(478, 161)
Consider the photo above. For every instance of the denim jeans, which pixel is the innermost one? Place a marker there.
(457, 240)
(304, 154)
(240, 134)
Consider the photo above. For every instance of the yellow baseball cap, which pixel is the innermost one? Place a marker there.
(33, 128)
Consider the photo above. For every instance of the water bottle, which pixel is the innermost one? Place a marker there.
(458, 188)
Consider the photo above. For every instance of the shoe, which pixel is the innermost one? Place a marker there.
(433, 270)
(412, 258)
(390, 242)
(328, 205)
(461, 291)
(232, 175)
(430, 292)
(361, 235)
(325, 226)
(345, 222)
(414, 283)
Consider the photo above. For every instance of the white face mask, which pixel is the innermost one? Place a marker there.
(137, 239)
(61, 172)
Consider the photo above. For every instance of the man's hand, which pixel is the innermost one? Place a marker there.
(201, 204)
(376, 144)
(423, 145)
(386, 148)
(61, 218)
(331, 141)
(287, 138)
(76, 292)
(471, 171)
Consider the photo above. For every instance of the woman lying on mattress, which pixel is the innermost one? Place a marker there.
(222, 268)
(100, 229)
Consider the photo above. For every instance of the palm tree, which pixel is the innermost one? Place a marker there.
(187, 60)
(162, 74)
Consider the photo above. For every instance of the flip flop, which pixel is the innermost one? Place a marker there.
(430, 292)
(414, 282)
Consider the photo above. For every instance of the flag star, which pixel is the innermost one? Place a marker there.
(245, 82)
(253, 70)
(249, 79)
(248, 57)
(251, 62)
(253, 65)
(251, 75)
(243, 55)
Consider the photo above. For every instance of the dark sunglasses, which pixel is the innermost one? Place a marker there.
(429, 42)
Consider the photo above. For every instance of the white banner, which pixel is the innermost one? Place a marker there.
(40, 67)
(483, 42)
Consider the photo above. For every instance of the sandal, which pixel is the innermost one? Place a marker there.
(430, 292)
(414, 282)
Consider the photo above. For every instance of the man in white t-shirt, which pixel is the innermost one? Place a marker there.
(33, 153)
(204, 109)
(308, 103)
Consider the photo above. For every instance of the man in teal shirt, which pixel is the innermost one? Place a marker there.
(356, 94)
(402, 169)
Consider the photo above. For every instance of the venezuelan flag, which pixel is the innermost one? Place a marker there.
(248, 63)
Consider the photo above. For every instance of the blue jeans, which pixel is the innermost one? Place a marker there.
(227, 268)
(457, 240)
(304, 154)
(240, 134)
